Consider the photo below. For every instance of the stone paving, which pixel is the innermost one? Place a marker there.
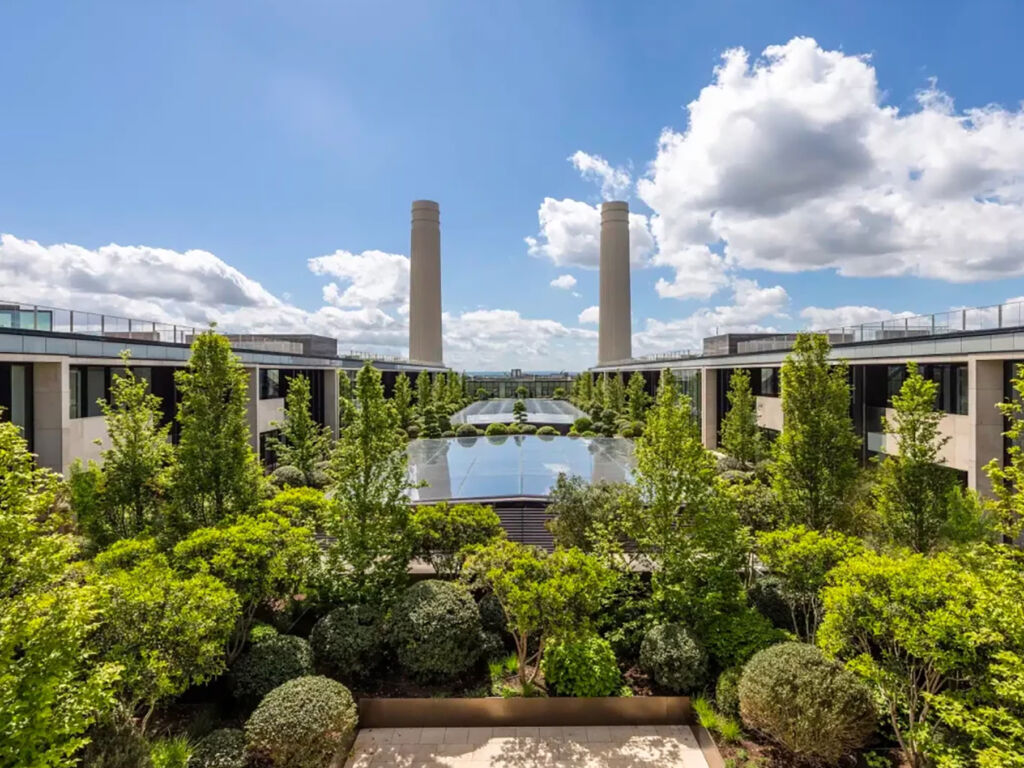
(668, 746)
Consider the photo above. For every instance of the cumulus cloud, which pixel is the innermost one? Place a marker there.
(589, 315)
(793, 162)
(370, 278)
(565, 282)
(822, 318)
(487, 339)
(570, 234)
(614, 182)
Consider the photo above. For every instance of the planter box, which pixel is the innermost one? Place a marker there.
(480, 713)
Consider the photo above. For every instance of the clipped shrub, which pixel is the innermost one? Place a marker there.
(514, 429)
(346, 642)
(435, 630)
(442, 531)
(223, 748)
(547, 430)
(467, 430)
(727, 692)
(766, 596)
(582, 424)
(318, 479)
(448, 433)
(497, 428)
(115, 742)
(589, 433)
(268, 664)
(306, 507)
(492, 646)
(671, 655)
(413, 431)
(527, 429)
(811, 706)
(303, 723)
(492, 615)
(288, 477)
(581, 666)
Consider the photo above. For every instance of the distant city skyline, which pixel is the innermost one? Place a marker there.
(786, 167)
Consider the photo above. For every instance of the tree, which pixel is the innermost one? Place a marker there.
(741, 436)
(580, 514)
(932, 634)
(583, 390)
(481, 393)
(637, 397)
(217, 473)
(263, 559)
(345, 404)
(439, 393)
(519, 412)
(302, 442)
(453, 391)
(424, 392)
(815, 457)
(541, 595)
(368, 518)
(522, 392)
(401, 396)
(1008, 481)
(165, 630)
(431, 424)
(802, 559)
(558, 393)
(615, 394)
(123, 497)
(916, 496)
(442, 532)
(52, 685)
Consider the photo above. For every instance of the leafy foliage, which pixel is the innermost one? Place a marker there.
(811, 706)
(268, 664)
(519, 412)
(741, 436)
(442, 532)
(496, 429)
(815, 459)
(302, 442)
(368, 519)
(115, 741)
(261, 558)
(216, 473)
(347, 642)
(582, 666)
(401, 397)
(727, 691)
(672, 656)
(637, 397)
(222, 748)
(52, 685)
(302, 724)
(1008, 478)
(304, 507)
(581, 512)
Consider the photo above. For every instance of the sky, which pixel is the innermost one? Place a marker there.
(787, 165)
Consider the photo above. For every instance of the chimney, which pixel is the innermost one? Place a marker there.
(425, 283)
(614, 321)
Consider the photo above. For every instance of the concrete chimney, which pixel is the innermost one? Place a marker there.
(425, 283)
(614, 327)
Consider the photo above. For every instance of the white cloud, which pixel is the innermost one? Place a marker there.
(751, 305)
(589, 315)
(565, 282)
(373, 278)
(822, 318)
(793, 162)
(490, 339)
(570, 234)
(614, 182)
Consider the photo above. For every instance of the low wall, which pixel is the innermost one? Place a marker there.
(494, 712)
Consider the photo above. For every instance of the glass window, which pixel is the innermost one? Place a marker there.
(770, 382)
(270, 383)
(76, 393)
(894, 381)
(95, 389)
(20, 397)
(960, 389)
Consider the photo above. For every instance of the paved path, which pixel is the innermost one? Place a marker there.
(665, 746)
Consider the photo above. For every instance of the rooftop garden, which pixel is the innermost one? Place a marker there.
(173, 605)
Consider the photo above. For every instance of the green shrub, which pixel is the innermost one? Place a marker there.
(262, 631)
(528, 429)
(305, 507)
(492, 646)
(171, 752)
(318, 479)
(547, 430)
(581, 666)
(671, 655)
(513, 428)
(766, 596)
(223, 748)
(435, 630)
(448, 433)
(497, 428)
(115, 742)
(727, 692)
(811, 706)
(582, 424)
(492, 615)
(302, 724)
(346, 642)
(268, 664)
(288, 477)
(441, 532)
(732, 637)
(467, 430)
(589, 433)
(627, 431)
(413, 431)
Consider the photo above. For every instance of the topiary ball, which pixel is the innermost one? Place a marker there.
(727, 692)
(527, 429)
(268, 664)
(671, 655)
(223, 748)
(288, 477)
(810, 705)
(492, 615)
(435, 630)
(546, 431)
(467, 430)
(303, 723)
(346, 642)
(581, 666)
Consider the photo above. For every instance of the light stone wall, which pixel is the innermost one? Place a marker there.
(709, 408)
(985, 389)
(769, 412)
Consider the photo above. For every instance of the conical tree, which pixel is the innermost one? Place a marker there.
(741, 436)
(302, 442)
(424, 392)
(637, 397)
(401, 396)
(217, 473)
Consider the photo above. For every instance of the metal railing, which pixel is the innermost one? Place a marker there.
(35, 317)
(994, 317)
(679, 354)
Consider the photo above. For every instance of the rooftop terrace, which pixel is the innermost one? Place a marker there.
(499, 410)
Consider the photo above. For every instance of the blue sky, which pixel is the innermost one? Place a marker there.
(232, 142)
